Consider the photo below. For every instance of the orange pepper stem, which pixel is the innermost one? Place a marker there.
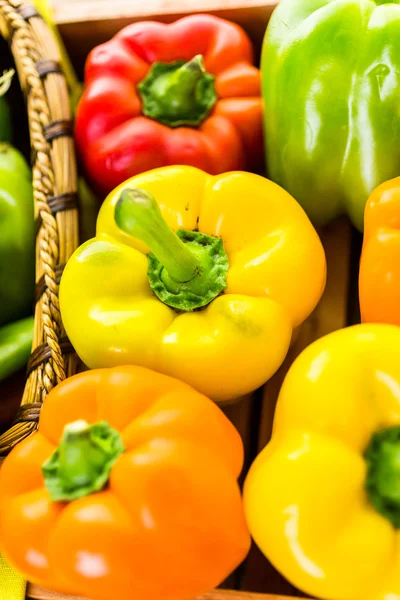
(383, 473)
(178, 94)
(187, 269)
(83, 460)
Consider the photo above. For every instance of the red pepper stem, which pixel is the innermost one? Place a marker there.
(178, 94)
(183, 81)
(138, 214)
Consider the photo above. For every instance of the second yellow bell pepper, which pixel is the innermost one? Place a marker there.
(322, 500)
(215, 304)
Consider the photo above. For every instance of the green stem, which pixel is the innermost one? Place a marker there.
(182, 83)
(187, 269)
(178, 93)
(138, 214)
(83, 460)
(383, 473)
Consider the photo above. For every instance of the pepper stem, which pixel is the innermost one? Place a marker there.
(383, 473)
(5, 81)
(187, 269)
(83, 460)
(185, 79)
(138, 214)
(178, 94)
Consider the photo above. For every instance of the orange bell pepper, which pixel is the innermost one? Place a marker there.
(128, 490)
(379, 281)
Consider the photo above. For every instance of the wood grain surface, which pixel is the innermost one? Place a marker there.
(84, 24)
(68, 11)
(37, 593)
(331, 314)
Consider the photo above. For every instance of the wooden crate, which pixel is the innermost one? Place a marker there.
(106, 17)
(36, 593)
(86, 23)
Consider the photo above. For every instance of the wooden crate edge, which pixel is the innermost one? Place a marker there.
(37, 593)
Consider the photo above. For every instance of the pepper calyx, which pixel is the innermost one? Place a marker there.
(382, 482)
(186, 269)
(82, 463)
(208, 282)
(178, 94)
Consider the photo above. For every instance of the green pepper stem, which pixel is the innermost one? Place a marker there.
(383, 473)
(182, 83)
(178, 94)
(138, 214)
(5, 81)
(83, 460)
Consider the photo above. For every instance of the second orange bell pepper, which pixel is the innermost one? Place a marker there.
(379, 281)
(128, 490)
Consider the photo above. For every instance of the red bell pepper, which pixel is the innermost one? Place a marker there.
(157, 95)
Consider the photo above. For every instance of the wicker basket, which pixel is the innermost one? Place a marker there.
(37, 61)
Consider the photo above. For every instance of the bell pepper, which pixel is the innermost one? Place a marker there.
(322, 500)
(15, 346)
(379, 281)
(17, 236)
(157, 95)
(213, 304)
(331, 83)
(5, 113)
(128, 490)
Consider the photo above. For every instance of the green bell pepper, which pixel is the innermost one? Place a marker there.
(15, 346)
(17, 236)
(331, 85)
(5, 113)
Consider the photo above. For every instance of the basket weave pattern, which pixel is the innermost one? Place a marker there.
(37, 61)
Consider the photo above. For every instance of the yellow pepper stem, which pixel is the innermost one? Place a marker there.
(383, 473)
(138, 214)
(187, 269)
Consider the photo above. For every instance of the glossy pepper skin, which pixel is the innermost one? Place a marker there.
(231, 346)
(15, 346)
(322, 499)
(17, 236)
(379, 281)
(332, 129)
(169, 523)
(116, 139)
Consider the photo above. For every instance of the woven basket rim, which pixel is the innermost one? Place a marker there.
(38, 65)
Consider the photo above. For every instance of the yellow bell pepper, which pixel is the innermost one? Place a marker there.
(213, 305)
(323, 498)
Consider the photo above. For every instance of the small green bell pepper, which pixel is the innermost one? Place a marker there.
(15, 346)
(5, 113)
(331, 85)
(17, 236)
